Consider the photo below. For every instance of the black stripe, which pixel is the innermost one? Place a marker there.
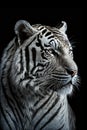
(53, 105)
(7, 122)
(36, 102)
(43, 56)
(12, 108)
(41, 64)
(32, 41)
(48, 33)
(15, 111)
(61, 76)
(41, 28)
(4, 66)
(53, 116)
(15, 123)
(27, 59)
(51, 37)
(8, 58)
(11, 51)
(44, 31)
(27, 77)
(34, 56)
(5, 94)
(61, 127)
(10, 48)
(13, 95)
(59, 73)
(21, 61)
(42, 105)
(46, 45)
(39, 42)
(8, 101)
(51, 40)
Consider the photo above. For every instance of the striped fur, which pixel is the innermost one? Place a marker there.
(37, 72)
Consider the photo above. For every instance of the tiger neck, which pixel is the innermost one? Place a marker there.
(49, 107)
(49, 100)
(36, 103)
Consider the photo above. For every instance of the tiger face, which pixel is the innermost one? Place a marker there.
(43, 60)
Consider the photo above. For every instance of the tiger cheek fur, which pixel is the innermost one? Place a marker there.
(37, 72)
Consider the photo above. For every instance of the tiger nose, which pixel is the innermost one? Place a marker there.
(71, 72)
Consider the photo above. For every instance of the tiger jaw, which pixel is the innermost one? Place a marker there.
(65, 90)
(48, 83)
(68, 87)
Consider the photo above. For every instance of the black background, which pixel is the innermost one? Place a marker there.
(51, 16)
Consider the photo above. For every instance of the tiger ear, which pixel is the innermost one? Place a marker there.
(23, 30)
(63, 28)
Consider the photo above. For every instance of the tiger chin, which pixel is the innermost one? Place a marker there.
(37, 72)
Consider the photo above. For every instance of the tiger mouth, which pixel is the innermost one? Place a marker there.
(62, 87)
(56, 84)
(67, 85)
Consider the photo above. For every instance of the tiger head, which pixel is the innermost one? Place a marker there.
(43, 60)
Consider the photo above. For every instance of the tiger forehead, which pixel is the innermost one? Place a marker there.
(45, 31)
(48, 37)
(53, 34)
(59, 38)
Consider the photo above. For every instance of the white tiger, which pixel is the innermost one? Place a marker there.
(37, 72)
